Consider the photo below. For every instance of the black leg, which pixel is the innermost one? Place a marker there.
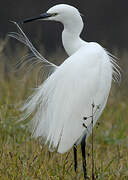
(83, 144)
(75, 157)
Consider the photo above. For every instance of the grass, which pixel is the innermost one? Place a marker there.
(24, 158)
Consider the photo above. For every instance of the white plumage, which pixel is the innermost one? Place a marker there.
(85, 77)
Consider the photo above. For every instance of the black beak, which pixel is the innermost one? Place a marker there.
(41, 16)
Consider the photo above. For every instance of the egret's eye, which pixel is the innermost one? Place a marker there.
(54, 14)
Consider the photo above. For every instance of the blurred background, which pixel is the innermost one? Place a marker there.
(106, 22)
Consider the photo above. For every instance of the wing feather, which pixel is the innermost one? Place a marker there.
(61, 102)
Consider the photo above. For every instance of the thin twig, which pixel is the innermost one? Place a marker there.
(93, 175)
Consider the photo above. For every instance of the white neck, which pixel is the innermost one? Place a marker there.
(71, 35)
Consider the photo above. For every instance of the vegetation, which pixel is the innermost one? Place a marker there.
(22, 157)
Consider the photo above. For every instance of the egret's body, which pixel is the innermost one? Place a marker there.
(66, 97)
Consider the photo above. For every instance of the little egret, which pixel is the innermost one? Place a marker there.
(62, 104)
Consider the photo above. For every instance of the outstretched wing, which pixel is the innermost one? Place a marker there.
(34, 55)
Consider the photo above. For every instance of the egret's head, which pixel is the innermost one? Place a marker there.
(66, 14)
(63, 12)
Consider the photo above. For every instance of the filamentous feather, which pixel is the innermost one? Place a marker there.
(34, 53)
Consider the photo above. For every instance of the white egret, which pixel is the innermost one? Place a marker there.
(62, 102)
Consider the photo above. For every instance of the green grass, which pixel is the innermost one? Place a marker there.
(24, 158)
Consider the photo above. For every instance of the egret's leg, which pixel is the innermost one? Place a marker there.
(75, 157)
(83, 144)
